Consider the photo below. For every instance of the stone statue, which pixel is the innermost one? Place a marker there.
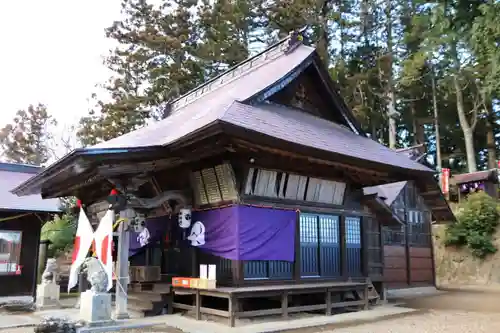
(95, 275)
(49, 275)
(47, 292)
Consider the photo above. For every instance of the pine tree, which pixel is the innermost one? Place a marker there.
(164, 51)
(27, 138)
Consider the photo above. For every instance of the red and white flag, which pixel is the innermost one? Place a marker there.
(103, 244)
(83, 241)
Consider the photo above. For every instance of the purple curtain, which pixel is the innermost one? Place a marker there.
(157, 228)
(248, 233)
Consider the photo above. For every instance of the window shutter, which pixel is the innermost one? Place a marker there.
(199, 190)
(211, 185)
(227, 183)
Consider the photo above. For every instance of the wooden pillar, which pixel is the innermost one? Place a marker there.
(408, 253)
(195, 264)
(237, 273)
(328, 302)
(231, 310)
(428, 221)
(364, 226)
(343, 249)
(382, 246)
(284, 304)
(197, 304)
(297, 261)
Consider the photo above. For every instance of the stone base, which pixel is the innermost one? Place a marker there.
(95, 308)
(47, 295)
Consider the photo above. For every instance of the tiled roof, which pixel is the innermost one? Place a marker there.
(203, 106)
(305, 129)
(12, 175)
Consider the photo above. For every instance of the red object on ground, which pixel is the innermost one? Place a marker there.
(113, 192)
(79, 203)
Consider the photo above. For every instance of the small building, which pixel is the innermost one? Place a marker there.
(272, 164)
(463, 184)
(21, 220)
(408, 249)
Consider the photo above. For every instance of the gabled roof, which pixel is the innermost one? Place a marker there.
(227, 99)
(387, 192)
(207, 103)
(12, 175)
(301, 128)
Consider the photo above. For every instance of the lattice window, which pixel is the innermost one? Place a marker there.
(353, 230)
(308, 228)
(212, 185)
(329, 229)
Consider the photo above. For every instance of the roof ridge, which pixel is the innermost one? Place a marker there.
(273, 52)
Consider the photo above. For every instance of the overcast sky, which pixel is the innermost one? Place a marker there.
(52, 53)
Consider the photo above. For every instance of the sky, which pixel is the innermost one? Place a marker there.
(52, 54)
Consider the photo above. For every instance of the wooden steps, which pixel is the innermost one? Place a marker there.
(151, 302)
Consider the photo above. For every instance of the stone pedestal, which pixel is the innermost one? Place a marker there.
(95, 308)
(47, 295)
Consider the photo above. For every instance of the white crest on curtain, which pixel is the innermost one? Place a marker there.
(197, 235)
(144, 236)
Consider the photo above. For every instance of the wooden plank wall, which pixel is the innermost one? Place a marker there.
(396, 270)
(421, 266)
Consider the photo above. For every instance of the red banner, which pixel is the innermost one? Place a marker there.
(445, 180)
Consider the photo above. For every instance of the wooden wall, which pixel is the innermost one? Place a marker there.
(397, 274)
(23, 284)
(395, 266)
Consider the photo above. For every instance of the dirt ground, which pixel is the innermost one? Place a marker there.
(452, 312)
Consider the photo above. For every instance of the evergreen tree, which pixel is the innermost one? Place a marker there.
(27, 138)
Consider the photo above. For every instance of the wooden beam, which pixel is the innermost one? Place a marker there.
(343, 166)
(297, 262)
(343, 249)
(364, 247)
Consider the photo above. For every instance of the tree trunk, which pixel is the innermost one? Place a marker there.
(439, 162)
(490, 140)
(467, 129)
(390, 95)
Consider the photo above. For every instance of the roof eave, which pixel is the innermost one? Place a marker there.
(34, 184)
(260, 138)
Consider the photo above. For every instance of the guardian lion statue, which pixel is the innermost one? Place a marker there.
(49, 275)
(96, 275)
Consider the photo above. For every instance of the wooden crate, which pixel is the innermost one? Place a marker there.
(147, 273)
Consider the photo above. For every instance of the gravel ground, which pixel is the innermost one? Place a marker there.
(454, 312)
(441, 321)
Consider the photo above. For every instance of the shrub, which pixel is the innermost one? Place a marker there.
(61, 233)
(477, 219)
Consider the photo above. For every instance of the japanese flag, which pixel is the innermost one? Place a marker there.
(103, 244)
(81, 246)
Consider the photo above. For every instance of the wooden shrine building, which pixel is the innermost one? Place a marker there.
(408, 249)
(462, 185)
(21, 220)
(273, 165)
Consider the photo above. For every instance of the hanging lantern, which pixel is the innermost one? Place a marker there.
(117, 201)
